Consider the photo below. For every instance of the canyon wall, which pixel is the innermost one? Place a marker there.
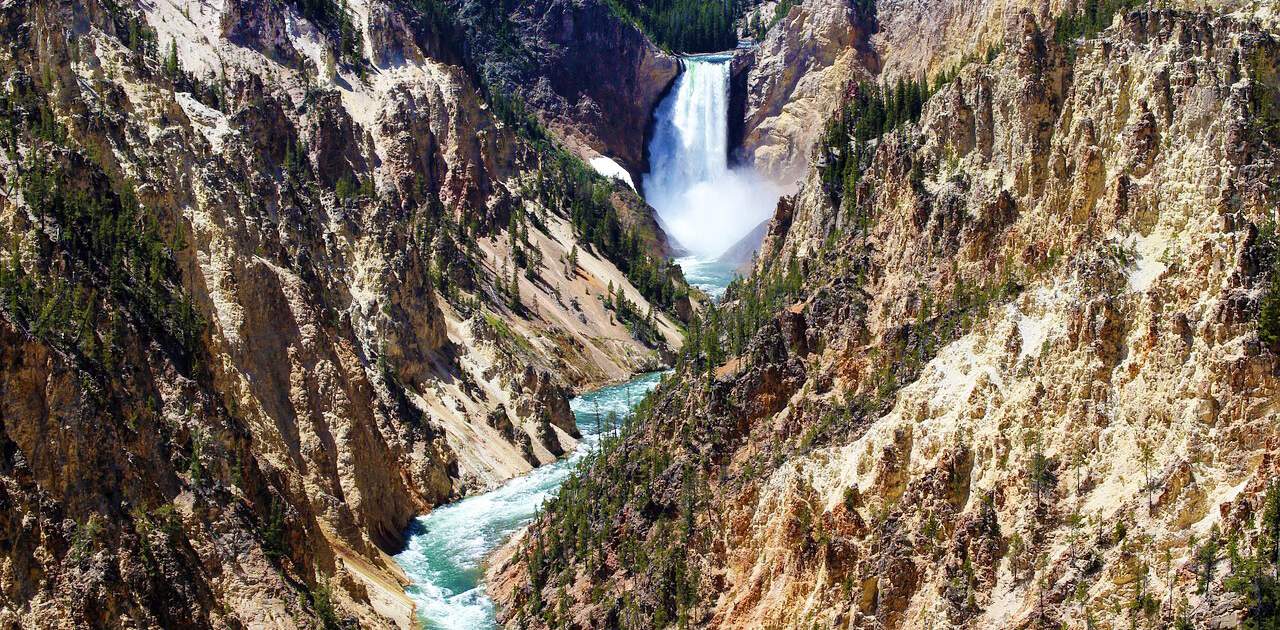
(794, 79)
(591, 77)
(1005, 364)
(277, 279)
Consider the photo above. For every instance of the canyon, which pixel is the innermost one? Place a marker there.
(1002, 360)
(276, 282)
(462, 314)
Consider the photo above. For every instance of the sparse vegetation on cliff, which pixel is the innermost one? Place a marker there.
(1087, 18)
(334, 17)
(565, 183)
(1255, 577)
(1269, 307)
(98, 263)
(872, 111)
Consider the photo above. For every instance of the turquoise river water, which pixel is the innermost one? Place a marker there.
(709, 206)
(447, 547)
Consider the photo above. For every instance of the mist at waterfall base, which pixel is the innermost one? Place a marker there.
(708, 217)
(705, 205)
(447, 547)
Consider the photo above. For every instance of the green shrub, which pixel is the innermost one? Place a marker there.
(104, 264)
(689, 26)
(1089, 19)
(321, 596)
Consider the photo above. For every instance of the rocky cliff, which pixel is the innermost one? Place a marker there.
(794, 78)
(1007, 361)
(588, 75)
(276, 278)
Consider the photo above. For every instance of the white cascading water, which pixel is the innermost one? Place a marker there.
(705, 205)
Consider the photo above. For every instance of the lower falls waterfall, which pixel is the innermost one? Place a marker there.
(704, 205)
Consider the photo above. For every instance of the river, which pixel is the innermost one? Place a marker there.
(707, 206)
(447, 547)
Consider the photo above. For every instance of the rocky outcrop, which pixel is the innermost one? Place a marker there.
(1019, 384)
(795, 78)
(589, 75)
(254, 25)
(1029, 382)
(542, 399)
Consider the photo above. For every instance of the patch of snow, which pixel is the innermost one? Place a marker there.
(611, 169)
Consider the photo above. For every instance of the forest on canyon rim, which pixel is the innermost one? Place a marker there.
(281, 279)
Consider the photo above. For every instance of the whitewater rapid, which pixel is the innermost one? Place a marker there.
(704, 204)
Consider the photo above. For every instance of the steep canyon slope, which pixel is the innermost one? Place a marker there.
(588, 75)
(277, 277)
(1009, 359)
(793, 79)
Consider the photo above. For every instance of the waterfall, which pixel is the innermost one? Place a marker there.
(704, 205)
(690, 137)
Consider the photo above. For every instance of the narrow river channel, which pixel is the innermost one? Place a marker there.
(447, 547)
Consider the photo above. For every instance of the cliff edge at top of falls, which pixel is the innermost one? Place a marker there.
(276, 278)
(1010, 357)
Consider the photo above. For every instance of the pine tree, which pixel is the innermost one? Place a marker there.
(350, 43)
(573, 259)
(513, 297)
(1038, 467)
(1269, 313)
(1256, 578)
(1147, 458)
(171, 66)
